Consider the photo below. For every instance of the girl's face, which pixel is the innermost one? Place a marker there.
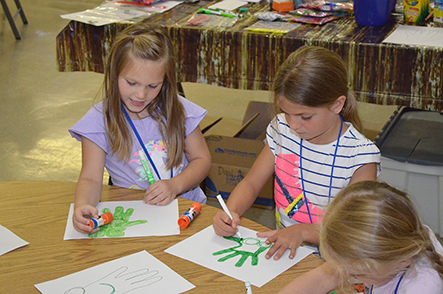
(139, 84)
(318, 125)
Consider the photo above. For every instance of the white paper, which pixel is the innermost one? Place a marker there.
(131, 219)
(112, 12)
(414, 35)
(228, 5)
(137, 273)
(9, 241)
(235, 258)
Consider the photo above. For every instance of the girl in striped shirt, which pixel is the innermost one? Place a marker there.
(314, 149)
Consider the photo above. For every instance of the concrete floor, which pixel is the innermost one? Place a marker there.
(39, 104)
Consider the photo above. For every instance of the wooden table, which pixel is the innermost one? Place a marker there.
(380, 73)
(37, 212)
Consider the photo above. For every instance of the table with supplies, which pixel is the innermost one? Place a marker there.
(37, 212)
(233, 57)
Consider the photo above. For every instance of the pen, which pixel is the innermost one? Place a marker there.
(215, 12)
(248, 288)
(142, 156)
(225, 208)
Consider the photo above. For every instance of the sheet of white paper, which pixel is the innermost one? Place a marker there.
(137, 273)
(111, 12)
(414, 35)
(131, 219)
(241, 259)
(9, 241)
(228, 5)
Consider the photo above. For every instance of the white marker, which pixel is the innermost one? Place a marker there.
(225, 208)
(248, 288)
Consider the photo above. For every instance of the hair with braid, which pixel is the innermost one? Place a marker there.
(371, 225)
(146, 42)
(316, 77)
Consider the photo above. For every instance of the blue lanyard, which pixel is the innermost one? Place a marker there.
(332, 169)
(398, 284)
(141, 142)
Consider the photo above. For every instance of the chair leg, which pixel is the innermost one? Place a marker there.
(20, 11)
(10, 19)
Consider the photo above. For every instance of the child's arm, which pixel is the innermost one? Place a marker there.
(367, 172)
(199, 158)
(320, 280)
(89, 185)
(245, 193)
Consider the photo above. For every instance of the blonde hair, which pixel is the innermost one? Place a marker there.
(148, 42)
(369, 226)
(315, 77)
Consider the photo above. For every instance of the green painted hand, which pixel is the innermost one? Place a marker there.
(246, 243)
(118, 226)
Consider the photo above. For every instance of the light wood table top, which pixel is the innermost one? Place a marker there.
(37, 212)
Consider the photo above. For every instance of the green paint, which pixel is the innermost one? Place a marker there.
(119, 225)
(113, 288)
(246, 243)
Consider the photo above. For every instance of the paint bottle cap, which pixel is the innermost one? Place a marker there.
(183, 222)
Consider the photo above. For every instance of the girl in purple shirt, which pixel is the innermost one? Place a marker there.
(145, 135)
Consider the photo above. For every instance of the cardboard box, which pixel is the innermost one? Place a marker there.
(373, 117)
(232, 159)
(233, 155)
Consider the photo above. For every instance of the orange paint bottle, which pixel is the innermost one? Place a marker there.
(189, 215)
(102, 220)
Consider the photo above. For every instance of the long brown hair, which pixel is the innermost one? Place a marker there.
(315, 77)
(149, 42)
(371, 225)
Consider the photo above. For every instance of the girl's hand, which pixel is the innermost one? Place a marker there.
(81, 217)
(160, 193)
(223, 225)
(288, 238)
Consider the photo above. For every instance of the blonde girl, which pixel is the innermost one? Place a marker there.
(143, 132)
(313, 148)
(373, 233)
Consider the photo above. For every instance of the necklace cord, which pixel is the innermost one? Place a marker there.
(140, 141)
(332, 169)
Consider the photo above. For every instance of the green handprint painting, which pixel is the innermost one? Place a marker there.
(247, 247)
(119, 225)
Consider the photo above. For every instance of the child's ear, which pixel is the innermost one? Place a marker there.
(405, 263)
(338, 104)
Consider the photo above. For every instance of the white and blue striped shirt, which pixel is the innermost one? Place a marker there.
(354, 150)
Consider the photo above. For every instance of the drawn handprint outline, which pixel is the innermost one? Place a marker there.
(243, 253)
(100, 285)
(119, 224)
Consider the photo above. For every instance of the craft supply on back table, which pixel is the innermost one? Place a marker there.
(207, 11)
(415, 11)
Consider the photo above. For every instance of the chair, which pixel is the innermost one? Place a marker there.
(12, 20)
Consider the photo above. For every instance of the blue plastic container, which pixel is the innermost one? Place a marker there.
(374, 13)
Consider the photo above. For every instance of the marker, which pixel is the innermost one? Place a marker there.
(248, 288)
(189, 215)
(102, 220)
(226, 11)
(225, 208)
(215, 12)
(142, 156)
